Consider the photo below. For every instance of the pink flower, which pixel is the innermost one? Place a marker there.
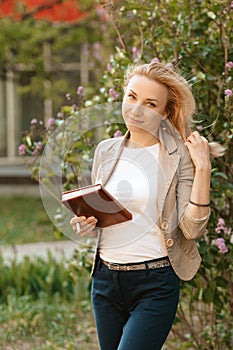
(228, 92)
(221, 222)
(229, 65)
(59, 115)
(50, 122)
(109, 67)
(135, 52)
(114, 95)
(68, 96)
(35, 152)
(38, 148)
(39, 145)
(33, 121)
(80, 90)
(22, 149)
(169, 65)
(221, 226)
(220, 243)
(117, 133)
(155, 60)
(102, 13)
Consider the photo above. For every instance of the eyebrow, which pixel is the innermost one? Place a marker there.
(148, 99)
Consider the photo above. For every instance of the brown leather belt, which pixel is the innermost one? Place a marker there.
(153, 264)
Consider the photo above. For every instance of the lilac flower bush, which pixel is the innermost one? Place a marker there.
(200, 48)
(220, 243)
(228, 92)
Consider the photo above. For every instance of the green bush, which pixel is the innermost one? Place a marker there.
(45, 305)
(47, 323)
(195, 37)
(43, 276)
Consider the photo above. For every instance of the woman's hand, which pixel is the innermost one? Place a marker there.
(199, 151)
(83, 225)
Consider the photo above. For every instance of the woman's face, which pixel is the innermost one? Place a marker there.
(144, 104)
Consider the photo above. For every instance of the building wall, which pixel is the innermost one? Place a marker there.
(16, 110)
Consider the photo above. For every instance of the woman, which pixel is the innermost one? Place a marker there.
(161, 172)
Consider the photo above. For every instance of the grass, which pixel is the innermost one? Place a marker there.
(24, 220)
(44, 307)
(46, 324)
(40, 307)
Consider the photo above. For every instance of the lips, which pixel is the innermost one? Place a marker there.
(134, 120)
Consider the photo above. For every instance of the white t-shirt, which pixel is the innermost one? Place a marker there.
(134, 184)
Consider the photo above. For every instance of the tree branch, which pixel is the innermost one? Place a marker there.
(108, 5)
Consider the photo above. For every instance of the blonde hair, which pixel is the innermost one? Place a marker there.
(181, 104)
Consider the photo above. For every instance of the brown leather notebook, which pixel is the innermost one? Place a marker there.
(95, 200)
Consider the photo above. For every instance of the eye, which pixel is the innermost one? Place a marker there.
(151, 105)
(131, 97)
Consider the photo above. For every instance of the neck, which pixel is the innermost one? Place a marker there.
(137, 140)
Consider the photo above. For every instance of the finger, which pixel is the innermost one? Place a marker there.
(76, 219)
(194, 138)
(78, 227)
(91, 219)
(190, 139)
(75, 223)
(204, 140)
(196, 134)
(187, 144)
(90, 222)
(86, 230)
(72, 220)
(83, 225)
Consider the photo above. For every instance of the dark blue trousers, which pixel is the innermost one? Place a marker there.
(134, 310)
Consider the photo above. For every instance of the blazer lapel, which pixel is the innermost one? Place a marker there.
(168, 160)
(110, 158)
(168, 165)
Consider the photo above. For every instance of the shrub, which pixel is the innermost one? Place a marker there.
(42, 276)
(200, 48)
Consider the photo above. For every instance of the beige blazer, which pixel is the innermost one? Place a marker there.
(175, 181)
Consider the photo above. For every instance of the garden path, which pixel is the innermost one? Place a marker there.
(58, 249)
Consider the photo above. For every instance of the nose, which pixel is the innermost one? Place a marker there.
(137, 109)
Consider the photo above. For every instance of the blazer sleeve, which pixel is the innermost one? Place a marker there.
(192, 228)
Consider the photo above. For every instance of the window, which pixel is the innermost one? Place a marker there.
(17, 110)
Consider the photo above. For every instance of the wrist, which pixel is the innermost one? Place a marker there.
(204, 168)
(199, 204)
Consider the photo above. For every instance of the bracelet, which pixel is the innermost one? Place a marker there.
(199, 205)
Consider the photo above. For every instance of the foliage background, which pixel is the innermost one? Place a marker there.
(196, 37)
